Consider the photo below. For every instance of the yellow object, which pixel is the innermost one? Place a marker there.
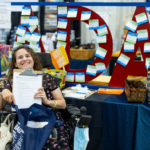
(55, 104)
(61, 74)
(116, 54)
(110, 91)
(136, 78)
(100, 80)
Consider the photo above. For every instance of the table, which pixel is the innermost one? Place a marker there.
(126, 126)
(116, 124)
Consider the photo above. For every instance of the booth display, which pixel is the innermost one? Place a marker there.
(118, 108)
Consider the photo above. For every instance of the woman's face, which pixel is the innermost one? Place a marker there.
(24, 59)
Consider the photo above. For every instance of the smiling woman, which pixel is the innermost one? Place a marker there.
(50, 93)
(24, 59)
(24, 54)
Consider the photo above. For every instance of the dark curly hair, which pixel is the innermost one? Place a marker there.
(36, 59)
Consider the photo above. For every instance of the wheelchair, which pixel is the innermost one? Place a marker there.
(72, 114)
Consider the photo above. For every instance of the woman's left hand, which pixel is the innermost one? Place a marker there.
(41, 94)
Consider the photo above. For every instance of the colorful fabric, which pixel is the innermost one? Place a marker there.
(4, 53)
(64, 138)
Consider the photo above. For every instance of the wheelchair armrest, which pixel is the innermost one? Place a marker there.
(7, 110)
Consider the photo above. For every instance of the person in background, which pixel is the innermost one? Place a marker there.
(22, 58)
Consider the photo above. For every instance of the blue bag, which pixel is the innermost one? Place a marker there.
(27, 138)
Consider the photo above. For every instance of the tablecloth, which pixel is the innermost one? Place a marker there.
(126, 126)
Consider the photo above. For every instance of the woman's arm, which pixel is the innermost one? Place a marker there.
(2, 102)
(57, 96)
(6, 96)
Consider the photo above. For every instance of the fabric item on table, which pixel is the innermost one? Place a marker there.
(98, 97)
(124, 124)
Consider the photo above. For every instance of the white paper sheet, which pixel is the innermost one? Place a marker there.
(76, 95)
(33, 124)
(24, 89)
(67, 91)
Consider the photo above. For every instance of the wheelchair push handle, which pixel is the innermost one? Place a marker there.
(83, 110)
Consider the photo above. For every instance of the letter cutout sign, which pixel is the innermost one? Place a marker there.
(107, 46)
(135, 68)
(120, 73)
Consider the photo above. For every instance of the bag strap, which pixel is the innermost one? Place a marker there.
(7, 118)
(15, 107)
(11, 125)
(58, 123)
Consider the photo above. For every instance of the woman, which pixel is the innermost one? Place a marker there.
(22, 58)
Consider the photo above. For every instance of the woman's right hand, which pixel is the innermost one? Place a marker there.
(8, 96)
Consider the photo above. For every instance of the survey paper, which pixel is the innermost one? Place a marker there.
(24, 89)
(101, 53)
(20, 39)
(93, 24)
(131, 25)
(147, 63)
(142, 35)
(62, 11)
(72, 12)
(62, 23)
(123, 60)
(141, 18)
(102, 30)
(100, 67)
(131, 37)
(146, 47)
(60, 43)
(85, 15)
(91, 70)
(62, 35)
(128, 47)
(80, 77)
(101, 39)
(70, 77)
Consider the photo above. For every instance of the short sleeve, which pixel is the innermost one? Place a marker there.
(7, 85)
(51, 82)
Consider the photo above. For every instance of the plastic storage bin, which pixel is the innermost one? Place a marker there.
(61, 74)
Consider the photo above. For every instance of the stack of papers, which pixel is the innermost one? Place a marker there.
(76, 95)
